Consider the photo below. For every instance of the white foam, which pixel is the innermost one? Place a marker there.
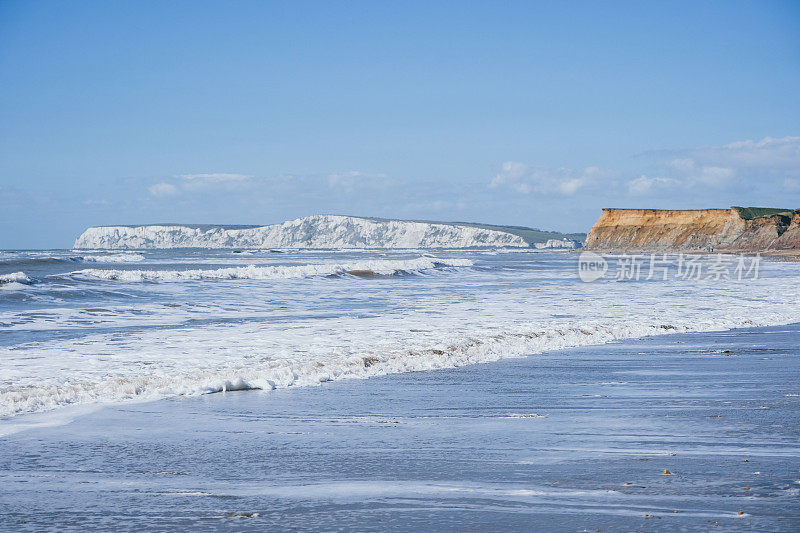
(15, 277)
(12, 286)
(160, 364)
(112, 258)
(323, 329)
(378, 266)
(14, 282)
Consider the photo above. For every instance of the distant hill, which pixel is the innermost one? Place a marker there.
(529, 235)
(325, 232)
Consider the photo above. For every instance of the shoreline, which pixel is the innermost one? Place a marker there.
(557, 339)
(792, 256)
(565, 440)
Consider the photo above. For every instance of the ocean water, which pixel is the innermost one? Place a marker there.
(572, 440)
(82, 328)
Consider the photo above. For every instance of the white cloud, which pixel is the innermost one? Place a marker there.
(684, 164)
(743, 169)
(716, 176)
(693, 172)
(768, 152)
(645, 184)
(95, 202)
(215, 181)
(791, 184)
(163, 190)
(355, 178)
(526, 179)
(217, 177)
(743, 164)
(510, 172)
(436, 205)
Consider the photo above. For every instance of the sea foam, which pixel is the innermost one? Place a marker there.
(110, 258)
(159, 340)
(195, 378)
(374, 267)
(14, 277)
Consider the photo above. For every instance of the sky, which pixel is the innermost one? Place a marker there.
(527, 113)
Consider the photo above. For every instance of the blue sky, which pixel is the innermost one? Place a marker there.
(529, 113)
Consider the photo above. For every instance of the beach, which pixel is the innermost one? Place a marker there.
(679, 432)
(399, 267)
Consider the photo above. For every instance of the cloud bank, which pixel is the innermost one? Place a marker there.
(743, 169)
(740, 166)
(525, 179)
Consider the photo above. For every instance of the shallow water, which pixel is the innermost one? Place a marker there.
(93, 327)
(563, 441)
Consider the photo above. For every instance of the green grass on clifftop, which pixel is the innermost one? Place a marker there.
(529, 235)
(749, 213)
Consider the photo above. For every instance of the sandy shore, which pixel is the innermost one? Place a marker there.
(783, 255)
(687, 431)
(777, 255)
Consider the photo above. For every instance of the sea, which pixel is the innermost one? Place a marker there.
(448, 389)
(82, 327)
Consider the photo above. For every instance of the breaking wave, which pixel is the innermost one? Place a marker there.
(15, 277)
(260, 374)
(115, 342)
(14, 281)
(362, 268)
(36, 260)
(110, 258)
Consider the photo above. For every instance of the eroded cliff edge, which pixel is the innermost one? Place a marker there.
(736, 229)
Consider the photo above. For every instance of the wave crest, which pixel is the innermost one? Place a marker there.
(110, 258)
(378, 267)
(14, 277)
(294, 370)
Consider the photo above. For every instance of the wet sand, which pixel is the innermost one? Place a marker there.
(681, 432)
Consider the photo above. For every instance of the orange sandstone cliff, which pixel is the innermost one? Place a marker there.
(736, 229)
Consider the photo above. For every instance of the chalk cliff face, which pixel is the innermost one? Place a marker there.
(319, 231)
(719, 230)
(563, 244)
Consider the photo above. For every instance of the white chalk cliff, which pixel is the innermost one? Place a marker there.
(318, 231)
